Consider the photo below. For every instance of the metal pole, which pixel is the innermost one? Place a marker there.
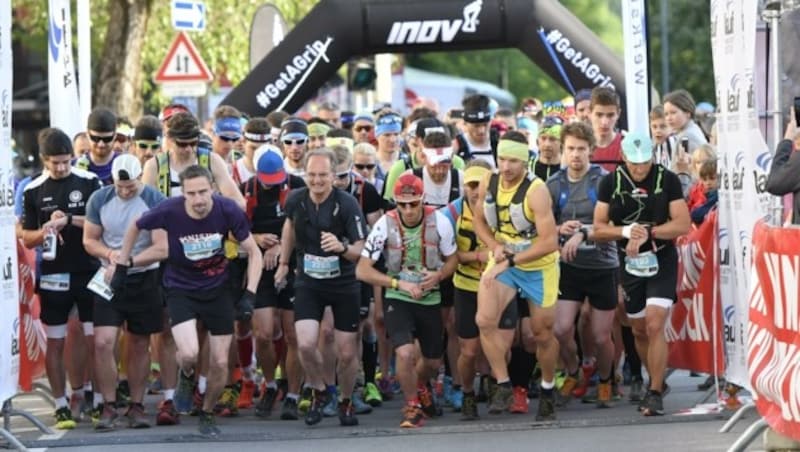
(664, 48)
(772, 15)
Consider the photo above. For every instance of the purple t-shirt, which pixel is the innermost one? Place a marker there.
(196, 254)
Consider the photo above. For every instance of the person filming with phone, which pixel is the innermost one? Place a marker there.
(783, 176)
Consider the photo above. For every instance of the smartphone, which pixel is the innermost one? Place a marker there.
(797, 111)
(685, 144)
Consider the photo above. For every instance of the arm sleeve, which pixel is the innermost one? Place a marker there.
(391, 178)
(784, 176)
(372, 200)
(373, 247)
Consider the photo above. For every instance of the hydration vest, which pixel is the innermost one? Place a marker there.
(251, 196)
(465, 152)
(455, 189)
(595, 174)
(162, 162)
(522, 225)
(395, 245)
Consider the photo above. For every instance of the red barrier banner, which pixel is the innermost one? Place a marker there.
(33, 342)
(773, 334)
(694, 330)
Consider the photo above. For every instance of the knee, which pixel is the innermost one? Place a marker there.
(104, 345)
(485, 322)
(305, 346)
(542, 332)
(654, 328)
(469, 351)
(347, 354)
(290, 337)
(404, 354)
(263, 335)
(327, 335)
(639, 330)
(564, 331)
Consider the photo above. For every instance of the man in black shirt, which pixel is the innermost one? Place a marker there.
(54, 205)
(265, 195)
(641, 206)
(326, 229)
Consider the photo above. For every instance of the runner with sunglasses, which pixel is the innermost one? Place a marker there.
(293, 142)
(227, 132)
(418, 246)
(101, 129)
(641, 206)
(548, 160)
(147, 138)
(362, 128)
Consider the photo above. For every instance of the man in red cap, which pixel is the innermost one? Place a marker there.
(419, 249)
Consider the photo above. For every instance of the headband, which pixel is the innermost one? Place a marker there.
(513, 150)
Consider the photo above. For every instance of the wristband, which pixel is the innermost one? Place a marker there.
(585, 234)
(344, 250)
(69, 218)
(626, 231)
(395, 283)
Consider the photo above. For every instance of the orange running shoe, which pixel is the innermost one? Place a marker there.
(519, 405)
(246, 395)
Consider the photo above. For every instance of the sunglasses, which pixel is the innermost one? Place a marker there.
(152, 145)
(228, 139)
(363, 128)
(365, 166)
(343, 174)
(120, 138)
(410, 204)
(189, 143)
(299, 142)
(98, 138)
(551, 121)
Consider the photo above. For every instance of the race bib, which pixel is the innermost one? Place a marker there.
(644, 265)
(410, 276)
(57, 282)
(318, 267)
(518, 247)
(98, 285)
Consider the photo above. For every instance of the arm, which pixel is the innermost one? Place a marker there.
(366, 272)
(784, 176)
(539, 201)
(150, 173)
(287, 245)
(391, 178)
(480, 225)
(156, 252)
(254, 263)
(227, 187)
(373, 217)
(602, 228)
(678, 224)
(93, 242)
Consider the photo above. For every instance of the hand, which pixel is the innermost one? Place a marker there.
(244, 307)
(113, 256)
(271, 257)
(280, 276)
(430, 279)
(570, 248)
(331, 244)
(791, 127)
(109, 273)
(638, 232)
(414, 290)
(569, 228)
(488, 277)
(632, 249)
(119, 277)
(683, 161)
(266, 240)
(499, 253)
(55, 224)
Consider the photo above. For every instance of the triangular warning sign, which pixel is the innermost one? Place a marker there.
(183, 63)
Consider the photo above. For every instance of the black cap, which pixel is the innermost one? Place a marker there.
(292, 128)
(102, 120)
(145, 132)
(428, 125)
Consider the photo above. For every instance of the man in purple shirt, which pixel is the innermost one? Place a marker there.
(195, 277)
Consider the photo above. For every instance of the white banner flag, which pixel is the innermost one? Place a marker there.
(637, 84)
(65, 110)
(9, 296)
(745, 161)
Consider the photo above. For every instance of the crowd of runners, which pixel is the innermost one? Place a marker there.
(317, 266)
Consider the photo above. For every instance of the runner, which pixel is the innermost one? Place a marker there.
(101, 129)
(418, 246)
(195, 278)
(641, 206)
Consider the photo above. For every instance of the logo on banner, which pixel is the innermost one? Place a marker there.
(761, 171)
(431, 31)
(294, 73)
(724, 248)
(556, 40)
(733, 94)
(5, 109)
(54, 37)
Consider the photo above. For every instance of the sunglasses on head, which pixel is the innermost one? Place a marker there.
(299, 142)
(551, 121)
(152, 145)
(365, 166)
(366, 128)
(411, 204)
(98, 138)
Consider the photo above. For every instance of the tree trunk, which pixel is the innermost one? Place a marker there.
(119, 80)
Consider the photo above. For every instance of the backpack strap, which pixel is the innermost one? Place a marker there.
(162, 166)
(464, 150)
(455, 184)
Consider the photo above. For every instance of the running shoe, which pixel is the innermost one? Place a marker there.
(413, 417)
(226, 405)
(347, 413)
(359, 405)
(590, 396)
(331, 408)
(519, 404)
(123, 393)
(604, 395)
(565, 394)
(246, 396)
(266, 402)
(107, 419)
(167, 414)
(652, 404)
(491, 387)
(289, 410)
(588, 373)
(547, 407)
(197, 402)
(501, 400)
(305, 400)
(469, 409)
(136, 417)
(635, 394)
(385, 388)
(426, 401)
(64, 420)
(76, 405)
(183, 393)
(207, 425)
(372, 395)
(318, 401)
(457, 400)
(447, 391)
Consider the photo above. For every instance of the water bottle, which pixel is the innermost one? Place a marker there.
(49, 245)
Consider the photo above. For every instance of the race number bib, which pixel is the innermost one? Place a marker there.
(98, 285)
(57, 282)
(318, 267)
(518, 247)
(644, 265)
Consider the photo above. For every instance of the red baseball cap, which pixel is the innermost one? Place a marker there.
(408, 185)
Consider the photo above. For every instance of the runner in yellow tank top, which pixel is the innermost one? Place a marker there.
(514, 218)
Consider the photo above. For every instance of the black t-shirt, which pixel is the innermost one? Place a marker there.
(267, 213)
(544, 170)
(340, 215)
(365, 193)
(42, 197)
(646, 202)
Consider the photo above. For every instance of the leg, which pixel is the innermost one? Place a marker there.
(138, 364)
(655, 319)
(105, 365)
(292, 369)
(327, 347)
(542, 321)
(346, 351)
(602, 322)
(308, 352)
(564, 330)
(219, 349)
(167, 359)
(186, 345)
(264, 330)
(493, 298)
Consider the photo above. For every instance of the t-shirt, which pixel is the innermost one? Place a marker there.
(580, 201)
(268, 214)
(316, 268)
(115, 215)
(459, 214)
(412, 238)
(42, 197)
(103, 171)
(440, 194)
(609, 156)
(638, 202)
(196, 254)
(545, 170)
(399, 167)
(366, 194)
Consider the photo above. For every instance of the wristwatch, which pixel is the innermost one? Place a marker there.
(510, 259)
(345, 243)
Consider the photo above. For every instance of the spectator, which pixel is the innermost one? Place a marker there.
(697, 193)
(709, 184)
(679, 108)
(783, 176)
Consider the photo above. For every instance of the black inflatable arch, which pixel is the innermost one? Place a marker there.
(336, 30)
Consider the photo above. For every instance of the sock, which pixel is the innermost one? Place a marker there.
(293, 396)
(272, 385)
(202, 383)
(87, 387)
(244, 346)
(61, 402)
(76, 393)
(369, 359)
(98, 398)
(169, 394)
(631, 357)
(548, 385)
(505, 384)
(520, 367)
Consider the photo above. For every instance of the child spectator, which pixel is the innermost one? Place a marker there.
(709, 185)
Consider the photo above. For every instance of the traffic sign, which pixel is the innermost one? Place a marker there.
(184, 89)
(183, 63)
(189, 15)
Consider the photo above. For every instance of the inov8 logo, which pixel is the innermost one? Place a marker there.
(435, 30)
